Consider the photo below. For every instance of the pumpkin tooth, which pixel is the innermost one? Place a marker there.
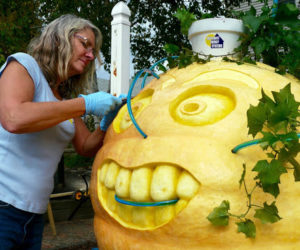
(103, 172)
(143, 216)
(124, 212)
(140, 184)
(180, 205)
(187, 186)
(111, 175)
(111, 202)
(164, 214)
(123, 183)
(164, 181)
(145, 184)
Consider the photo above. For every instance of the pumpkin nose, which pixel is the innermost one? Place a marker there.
(153, 183)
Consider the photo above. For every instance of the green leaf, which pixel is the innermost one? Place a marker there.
(272, 37)
(272, 189)
(248, 59)
(287, 11)
(207, 15)
(269, 139)
(253, 22)
(256, 118)
(227, 59)
(172, 63)
(162, 68)
(269, 173)
(279, 142)
(268, 214)
(171, 48)
(290, 151)
(186, 19)
(286, 105)
(259, 45)
(198, 59)
(270, 155)
(276, 114)
(247, 227)
(290, 139)
(297, 172)
(265, 99)
(185, 60)
(252, 11)
(220, 216)
(284, 95)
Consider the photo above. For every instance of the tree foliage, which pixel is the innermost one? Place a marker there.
(18, 24)
(272, 39)
(97, 11)
(153, 23)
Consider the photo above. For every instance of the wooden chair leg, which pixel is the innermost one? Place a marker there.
(51, 219)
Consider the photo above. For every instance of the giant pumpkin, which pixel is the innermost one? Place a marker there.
(192, 117)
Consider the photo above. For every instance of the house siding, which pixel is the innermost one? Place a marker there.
(257, 5)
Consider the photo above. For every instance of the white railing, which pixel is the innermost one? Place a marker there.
(120, 49)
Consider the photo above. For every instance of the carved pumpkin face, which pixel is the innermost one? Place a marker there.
(192, 117)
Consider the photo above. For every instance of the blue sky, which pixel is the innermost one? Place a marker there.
(102, 73)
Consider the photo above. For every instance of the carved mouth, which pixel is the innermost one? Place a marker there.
(147, 184)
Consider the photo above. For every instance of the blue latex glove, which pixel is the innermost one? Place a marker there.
(122, 96)
(107, 119)
(100, 103)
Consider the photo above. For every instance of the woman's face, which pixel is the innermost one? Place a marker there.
(83, 43)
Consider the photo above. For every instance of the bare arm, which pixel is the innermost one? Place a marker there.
(85, 142)
(18, 114)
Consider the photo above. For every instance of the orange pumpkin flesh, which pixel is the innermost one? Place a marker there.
(193, 117)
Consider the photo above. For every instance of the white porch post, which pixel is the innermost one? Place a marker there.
(120, 49)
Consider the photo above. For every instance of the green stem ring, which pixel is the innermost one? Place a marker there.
(248, 143)
(145, 204)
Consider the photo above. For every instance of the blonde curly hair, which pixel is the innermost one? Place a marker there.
(52, 50)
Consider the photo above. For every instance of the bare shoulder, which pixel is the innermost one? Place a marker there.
(14, 69)
(15, 82)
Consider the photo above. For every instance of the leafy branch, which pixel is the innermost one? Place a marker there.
(272, 37)
(186, 19)
(184, 57)
(277, 121)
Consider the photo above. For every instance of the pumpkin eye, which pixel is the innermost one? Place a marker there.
(192, 107)
(138, 104)
(202, 105)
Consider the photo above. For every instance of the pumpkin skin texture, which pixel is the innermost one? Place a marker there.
(192, 117)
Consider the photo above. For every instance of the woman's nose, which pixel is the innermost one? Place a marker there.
(90, 54)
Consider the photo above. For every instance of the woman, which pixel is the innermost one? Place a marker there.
(38, 119)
